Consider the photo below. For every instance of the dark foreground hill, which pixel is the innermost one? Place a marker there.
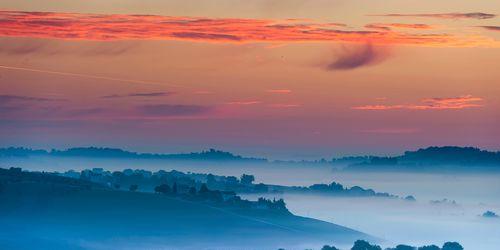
(40, 211)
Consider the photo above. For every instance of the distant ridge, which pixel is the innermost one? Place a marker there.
(96, 152)
(432, 157)
(425, 158)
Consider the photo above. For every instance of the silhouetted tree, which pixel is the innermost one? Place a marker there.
(431, 247)
(410, 198)
(133, 187)
(452, 246)
(117, 174)
(247, 179)
(280, 204)
(364, 245)
(231, 182)
(327, 247)
(15, 171)
(402, 247)
(261, 187)
(490, 214)
(162, 189)
(204, 189)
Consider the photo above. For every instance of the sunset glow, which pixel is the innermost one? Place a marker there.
(270, 79)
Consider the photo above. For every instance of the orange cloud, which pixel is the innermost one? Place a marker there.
(243, 102)
(279, 91)
(388, 26)
(461, 102)
(107, 27)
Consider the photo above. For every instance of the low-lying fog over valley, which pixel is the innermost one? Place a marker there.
(415, 207)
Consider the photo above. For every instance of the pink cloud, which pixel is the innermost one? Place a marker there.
(107, 27)
(391, 131)
(243, 102)
(462, 102)
(279, 91)
(284, 105)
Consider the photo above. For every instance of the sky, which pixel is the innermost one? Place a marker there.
(279, 79)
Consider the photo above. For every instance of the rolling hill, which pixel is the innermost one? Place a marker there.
(53, 212)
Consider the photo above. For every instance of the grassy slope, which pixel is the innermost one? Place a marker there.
(32, 213)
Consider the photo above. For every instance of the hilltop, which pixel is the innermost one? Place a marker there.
(430, 158)
(97, 152)
(433, 158)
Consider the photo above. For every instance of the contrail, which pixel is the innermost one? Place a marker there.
(88, 76)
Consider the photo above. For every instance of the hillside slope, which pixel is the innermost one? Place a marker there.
(50, 215)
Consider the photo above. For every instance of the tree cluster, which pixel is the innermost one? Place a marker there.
(365, 245)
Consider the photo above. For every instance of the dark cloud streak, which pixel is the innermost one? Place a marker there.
(470, 15)
(358, 56)
(492, 28)
(389, 26)
(173, 110)
(13, 98)
(151, 94)
(20, 47)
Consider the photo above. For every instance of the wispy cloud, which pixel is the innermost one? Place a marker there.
(83, 75)
(492, 28)
(462, 102)
(28, 107)
(243, 102)
(389, 26)
(285, 105)
(391, 131)
(455, 15)
(109, 27)
(24, 48)
(173, 110)
(279, 91)
(46, 47)
(149, 94)
(357, 56)
(83, 112)
(12, 98)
